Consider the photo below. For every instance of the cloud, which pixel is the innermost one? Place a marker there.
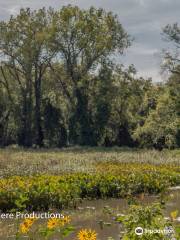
(13, 10)
(143, 19)
(139, 49)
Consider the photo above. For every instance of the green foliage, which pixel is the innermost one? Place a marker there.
(7, 123)
(55, 133)
(161, 128)
(30, 42)
(150, 219)
(59, 83)
(45, 192)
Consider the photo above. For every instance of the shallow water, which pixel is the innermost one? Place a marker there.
(89, 213)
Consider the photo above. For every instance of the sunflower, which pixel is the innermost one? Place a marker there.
(87, 234)
(24, 228)
(29, 221)
(26, 225)
(66, 220)
(53, 223)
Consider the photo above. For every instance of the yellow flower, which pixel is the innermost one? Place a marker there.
(55, 222)
(87, 234)
(24, 228)
(26, 225)
(66, 220)
(52, 223)
(174, 215)
(29, 221)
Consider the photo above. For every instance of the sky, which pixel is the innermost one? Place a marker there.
(142, 19)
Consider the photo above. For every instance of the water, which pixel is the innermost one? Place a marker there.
(89, 213)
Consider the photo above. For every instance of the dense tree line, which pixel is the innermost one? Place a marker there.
(60, 85)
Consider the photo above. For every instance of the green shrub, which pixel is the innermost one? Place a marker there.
(147, 221)
(45, 192)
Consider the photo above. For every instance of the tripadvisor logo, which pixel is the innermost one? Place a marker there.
(140, 231)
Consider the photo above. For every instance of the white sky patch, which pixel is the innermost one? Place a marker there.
(13, 10)
(151, 73)
(141, 2)
(138, 49)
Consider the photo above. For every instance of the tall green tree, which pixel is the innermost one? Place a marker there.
(161, 127)
(84, 38)
(26, 53)
(171, 61)
(172, 64)
(127, 97)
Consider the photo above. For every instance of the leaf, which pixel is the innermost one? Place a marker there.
(68, 230)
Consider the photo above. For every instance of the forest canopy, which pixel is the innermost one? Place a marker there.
(60, 84)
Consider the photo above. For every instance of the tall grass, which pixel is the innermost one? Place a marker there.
(17, 161)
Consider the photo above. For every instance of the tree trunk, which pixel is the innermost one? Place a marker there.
(25, 137)
(38, 126)
(81, 127)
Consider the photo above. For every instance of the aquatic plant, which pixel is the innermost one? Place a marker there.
(44, 192)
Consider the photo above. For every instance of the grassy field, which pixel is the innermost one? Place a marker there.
(70, 160)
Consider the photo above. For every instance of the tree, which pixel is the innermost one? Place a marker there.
(172, 64)
(128, 95)
(102, 96)
(83, 39)
(55, 134)
(26, 53)
(162, 125)
(172, 58)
